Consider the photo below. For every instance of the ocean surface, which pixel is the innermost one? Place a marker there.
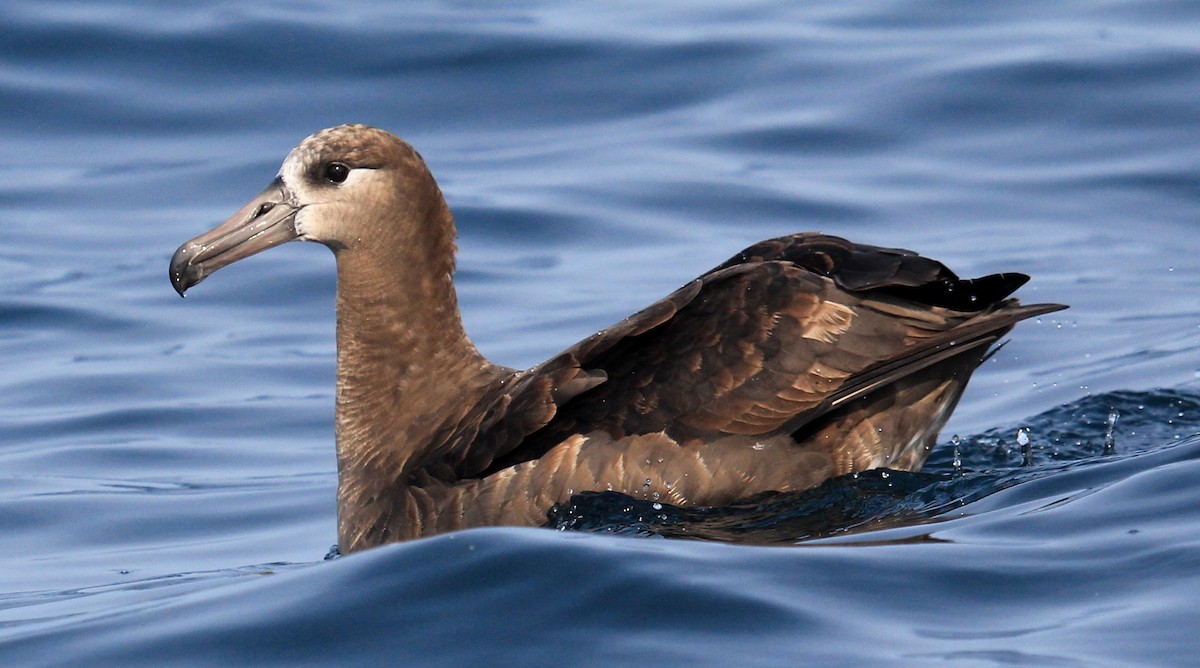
(166, 466)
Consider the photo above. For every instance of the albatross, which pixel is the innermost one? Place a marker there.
(801, 358)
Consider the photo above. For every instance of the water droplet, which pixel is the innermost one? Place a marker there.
(1110, 432)
(957, 463)
(647, 483)
(656, 497)
(758, 446)
(656, 506)
(1026, 448)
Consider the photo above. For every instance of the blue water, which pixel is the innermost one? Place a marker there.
(166, 466)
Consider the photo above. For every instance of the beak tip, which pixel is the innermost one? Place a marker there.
(182, 273)
(267, 220)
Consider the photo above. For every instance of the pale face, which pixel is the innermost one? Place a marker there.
(328, 185)
(328, 193)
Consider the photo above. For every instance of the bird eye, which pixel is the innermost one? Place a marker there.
(336, 172)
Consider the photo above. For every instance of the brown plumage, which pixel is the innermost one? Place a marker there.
(799, 359)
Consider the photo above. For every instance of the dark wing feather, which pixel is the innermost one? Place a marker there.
(772, 339)
(902, 273)
(522, 403)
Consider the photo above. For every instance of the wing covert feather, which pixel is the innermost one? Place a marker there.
(764, 343)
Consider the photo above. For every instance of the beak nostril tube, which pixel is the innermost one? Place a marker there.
(262, 223)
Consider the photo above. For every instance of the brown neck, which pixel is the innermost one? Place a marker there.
(404, 366)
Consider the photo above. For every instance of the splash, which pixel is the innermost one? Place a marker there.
(973, 467)
(1110, 436)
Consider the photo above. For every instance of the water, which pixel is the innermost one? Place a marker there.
(160, 457)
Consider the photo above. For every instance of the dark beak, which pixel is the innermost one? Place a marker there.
(267, 220)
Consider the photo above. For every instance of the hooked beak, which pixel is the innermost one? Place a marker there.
(267, 220)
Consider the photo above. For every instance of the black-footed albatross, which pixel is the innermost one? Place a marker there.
(799, 359)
